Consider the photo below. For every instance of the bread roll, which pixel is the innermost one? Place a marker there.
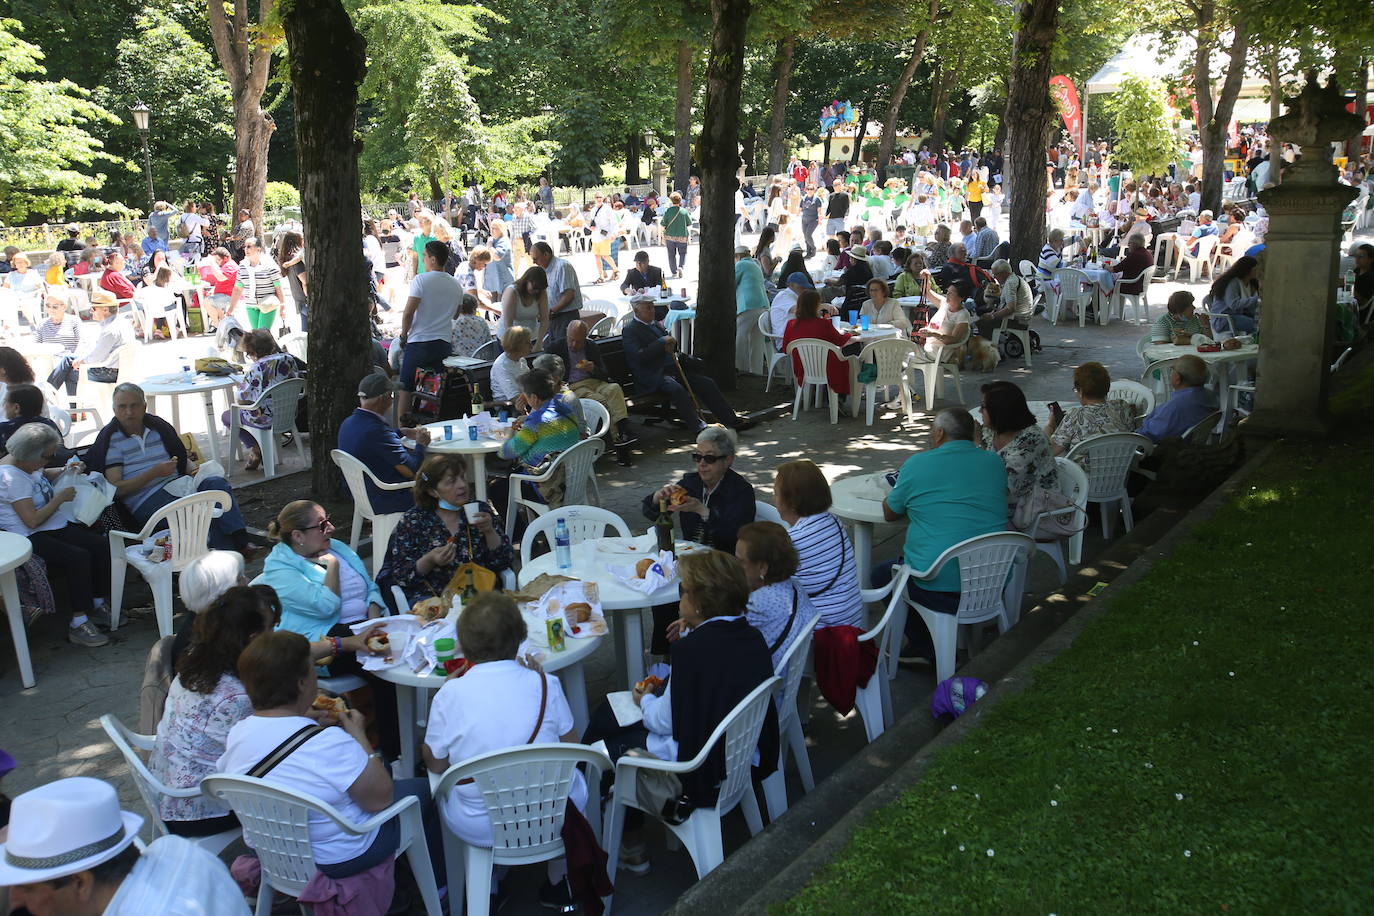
(642, 567)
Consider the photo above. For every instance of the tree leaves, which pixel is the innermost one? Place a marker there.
(1145, 140)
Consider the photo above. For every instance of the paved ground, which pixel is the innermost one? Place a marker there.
(53, 729)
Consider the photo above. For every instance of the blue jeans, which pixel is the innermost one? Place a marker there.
(226, 532)
(389, 836)
(917, 635)
(424, 354)
(834, 225)
(616, 244)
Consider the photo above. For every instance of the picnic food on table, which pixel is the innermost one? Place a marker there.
(578, 612)
(650, 684)
(642, 567)
(428, 609)
(677, 495)
(335, 706)
(379, 643)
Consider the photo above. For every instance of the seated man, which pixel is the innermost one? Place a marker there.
(987, 237)
(1015, 301)
(1136, 260)
(650, 351)
(880, 261)
(949, 493)
(642, 276)
(141, 454)
(98, 350)
(961, 267)
(93, 866)
(1187, 245)
(588, 378)
(368, 435)
(784, 307)
(1187, 405)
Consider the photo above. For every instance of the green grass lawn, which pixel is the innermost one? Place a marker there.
(1203, 747)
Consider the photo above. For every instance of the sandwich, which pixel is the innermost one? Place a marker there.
(381, 643)
(677, 495)
(334, 706)
(642, 567)
(578, 612)
(428, 609)
(650, 684)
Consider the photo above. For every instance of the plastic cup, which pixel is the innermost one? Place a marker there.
(853, 317)
(472, 432)
(863, 322)
(444, 649)
(472, 509)
(448, 431)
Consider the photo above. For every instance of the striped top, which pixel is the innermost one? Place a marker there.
(827, 570)
(549, 429)
(259, 283)
(67, 333)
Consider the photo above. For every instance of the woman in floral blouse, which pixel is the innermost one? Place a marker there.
(1009, 430)
(470, 330)
(269, 367)
(435, 538)
(1095, 415)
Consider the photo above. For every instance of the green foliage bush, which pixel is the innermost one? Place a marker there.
(280, 194)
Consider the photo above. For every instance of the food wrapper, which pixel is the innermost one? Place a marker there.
(554, 603)
(412, 642)
(662, 573)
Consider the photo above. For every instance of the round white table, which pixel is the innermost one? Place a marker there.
(412, 691)
(460, 444)
(176, 386)
(592, 565)
(859, 501)
(15, 551)
(1221, 362)
(464, 362)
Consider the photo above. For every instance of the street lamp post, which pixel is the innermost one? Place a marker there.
(140, 113)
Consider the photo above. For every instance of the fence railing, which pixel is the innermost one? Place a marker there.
(46, 236)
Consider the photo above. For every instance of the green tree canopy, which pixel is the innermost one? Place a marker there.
(1145, 140)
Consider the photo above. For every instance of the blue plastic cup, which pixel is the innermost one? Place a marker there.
(472, 433)
(863, 322)
(448, 432)
(853, 317)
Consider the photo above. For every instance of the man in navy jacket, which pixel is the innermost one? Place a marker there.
(367, 435)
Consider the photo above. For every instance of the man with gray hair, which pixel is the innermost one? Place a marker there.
(1015, 304)
(1189, 403)
(988, 239)
(949, 493)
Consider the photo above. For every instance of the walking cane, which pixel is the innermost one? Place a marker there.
(687, 382)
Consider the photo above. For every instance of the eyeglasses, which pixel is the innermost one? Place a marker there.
(698, 458)
(325, 522)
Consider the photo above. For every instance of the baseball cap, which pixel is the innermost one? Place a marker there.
(376, 385)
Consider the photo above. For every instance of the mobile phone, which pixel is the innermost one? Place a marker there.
(1056, 410)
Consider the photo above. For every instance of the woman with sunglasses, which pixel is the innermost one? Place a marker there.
(324, 587)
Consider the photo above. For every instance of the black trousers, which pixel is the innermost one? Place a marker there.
(80, 557)
(807, 230)
(707, 393)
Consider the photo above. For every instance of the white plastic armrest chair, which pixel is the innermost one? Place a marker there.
(583, 522)
(814, 355)
(188, 525)
(579, 466)
(765, 512)
(150, 788)
(1108, 460)
(894, 359)
(985, 578)
(772, 356)
(1140, 397)
(1073, 484)
(933, 369)
(526, 793)
(701, 832)
(383, 523)
(276, 825)
(874, 699)
(790, 736)
(282, 401)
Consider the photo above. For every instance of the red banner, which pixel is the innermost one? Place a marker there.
(1065, 96)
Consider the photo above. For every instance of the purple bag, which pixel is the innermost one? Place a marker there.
(954, 695)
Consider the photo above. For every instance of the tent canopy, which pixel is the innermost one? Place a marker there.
(1139, 57)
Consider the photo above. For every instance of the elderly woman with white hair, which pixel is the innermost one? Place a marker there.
(75, 554)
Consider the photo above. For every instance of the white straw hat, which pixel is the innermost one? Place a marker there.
(63, 828)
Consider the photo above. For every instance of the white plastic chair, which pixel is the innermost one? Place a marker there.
(1108, 462)
(603, 328)
(1073, 484)
(987, 589)
(526, 793)
(874, 699)
(282, 401)
(1156, 378)
(894, 358)
(944, 362)
(1140, 302)
(1203, 431)
(584, 523)
(1021, 334)
(150, 306)
(1140, 397)
(701, 832)
(150, 788)
(579, 467)
(814, 355)
(1074, 289)
(383, 523)
(276, 825)
(598, 417)
(297, 345)
(602, 307)
(489, 350)
(1197, 263)
(790, 737)
(772, 356)
(763, 512)
(93, 397)
(188, 525)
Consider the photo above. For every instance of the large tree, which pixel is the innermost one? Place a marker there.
(899, 89)
(244, 45)
(718, 153)
(1028, 118)
(1214, 111)
(327, 67)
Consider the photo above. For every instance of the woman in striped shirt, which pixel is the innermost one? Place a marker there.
(59, 327)
(826, 568)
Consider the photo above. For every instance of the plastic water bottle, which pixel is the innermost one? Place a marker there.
(186, 372)
(562, 545)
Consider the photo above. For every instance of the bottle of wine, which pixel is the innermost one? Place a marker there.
(663, 527)
(477, 404)
(469, 588)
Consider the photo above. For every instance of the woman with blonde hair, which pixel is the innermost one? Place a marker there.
(526, 303)
(516, 345)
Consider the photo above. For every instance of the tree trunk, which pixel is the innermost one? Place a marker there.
(682, 119)
(632, 145)
(252, 133)
(825, 153)
(718, 154)
(246, 57)
(1352, 146)
(782, 75)
(1275, 88)
(748, 154)
(1213, 116)
(327, 66)
(894, 105)
(861, 130)
(436, 190)
(1028, 118)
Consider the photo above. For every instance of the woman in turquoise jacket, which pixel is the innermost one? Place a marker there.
(323, 587)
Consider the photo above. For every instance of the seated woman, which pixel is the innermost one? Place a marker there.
(913, 278)
(825, 556)
(778, 605)
(470, 330)
(202, 582)
(76, 555)
(525, 303)
(1009, 429)
(334, 764)
(809, 324)
(832, 255)
(433, 539)
(323, 587)
(1180, 321)
(1236, 295)
(22, 405)
(1095, 415)
(549, 427)
(881, 308)
(270, 366)
(944, 329)
(464, 722)
(716, 661)
(516, 345)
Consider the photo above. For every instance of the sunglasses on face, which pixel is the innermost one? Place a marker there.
(325, 522)
(698, 458)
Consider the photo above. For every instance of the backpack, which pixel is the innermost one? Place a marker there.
(954, 695)
(183, 230)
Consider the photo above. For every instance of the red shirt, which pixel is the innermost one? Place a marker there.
(118, 284)
(836, 370)
(223, 287)
(800, 174)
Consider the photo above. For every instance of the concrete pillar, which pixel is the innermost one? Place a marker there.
(1300, 260)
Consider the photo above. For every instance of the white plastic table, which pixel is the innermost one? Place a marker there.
(464, 362)
(859, 501)
(1221, 362)
(460, 444)
(409, 686)
(591, 565)
(15, 551)
(175, 386)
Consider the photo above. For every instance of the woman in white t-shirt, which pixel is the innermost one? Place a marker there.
(427, 322)
(498, 703)
(526, 303)
(943, 329)
(337, 765)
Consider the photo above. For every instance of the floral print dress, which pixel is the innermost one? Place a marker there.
(190, 741)
(1030, 463)
(262, 375)
(1079, 423)
(422, 530)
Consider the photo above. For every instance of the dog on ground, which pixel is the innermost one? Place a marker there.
(982, 354)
